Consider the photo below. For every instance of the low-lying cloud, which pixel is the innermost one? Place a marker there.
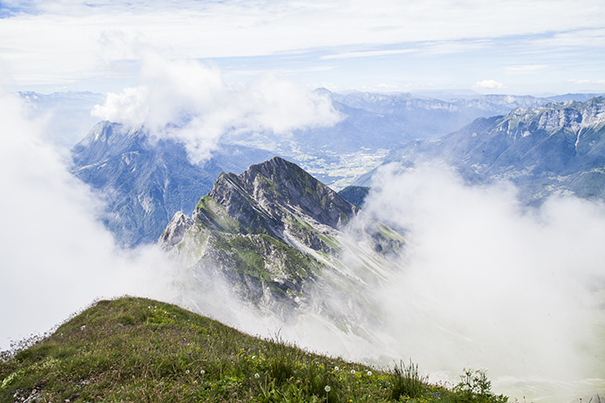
(489, 284)
(189, 101)
(55, 257)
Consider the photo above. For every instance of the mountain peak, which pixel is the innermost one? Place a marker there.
(277, 234)
(265, 193)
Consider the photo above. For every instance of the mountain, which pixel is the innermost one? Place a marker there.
(355, 194)
(424, 117)
(144, 181)
(558, 148)
(281, 241)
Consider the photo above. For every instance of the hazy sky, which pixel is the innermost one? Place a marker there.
(500, 46)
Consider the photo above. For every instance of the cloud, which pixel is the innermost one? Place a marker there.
(525, 69)
(66, 37)
(489, 84)
(587, 82)
(373, 53)
(187, 100)
(55, 257)
(486, 284)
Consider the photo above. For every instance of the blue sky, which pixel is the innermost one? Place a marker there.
(516, 47)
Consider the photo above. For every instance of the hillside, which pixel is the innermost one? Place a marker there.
(135, 349)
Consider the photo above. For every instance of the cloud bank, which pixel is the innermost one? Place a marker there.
(189, 101)
(55, 257)
(486, 284)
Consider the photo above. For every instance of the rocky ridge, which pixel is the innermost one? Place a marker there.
(558, 148)
(279, 239)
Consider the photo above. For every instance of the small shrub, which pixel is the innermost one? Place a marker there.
(475, 387)
(406, 382)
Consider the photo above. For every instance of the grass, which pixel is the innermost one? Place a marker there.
(140, 350)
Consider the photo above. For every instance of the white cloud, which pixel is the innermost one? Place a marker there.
(587, 82)
(66, 36)
(55, 258)
(129, 106)
(525, 69)
(373, 53)
(189, 101)
(489, 84)
(486, 285)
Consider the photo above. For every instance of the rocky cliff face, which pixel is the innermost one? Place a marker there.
(279, 238)
(555, 148)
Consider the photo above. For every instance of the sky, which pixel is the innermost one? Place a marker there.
(504, 46)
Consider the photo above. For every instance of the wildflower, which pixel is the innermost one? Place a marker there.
(256, 376)
(369, 373)
(352, 372)
(202, 372)
(335, 368)
(328, 388)
(187, 371)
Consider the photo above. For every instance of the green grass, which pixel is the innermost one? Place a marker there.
(217, 215)
(139, 350)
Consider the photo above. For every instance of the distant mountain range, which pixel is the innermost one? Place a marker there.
(375, 123)
(558, 148)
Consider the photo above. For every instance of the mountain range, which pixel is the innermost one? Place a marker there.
(144, 180)
(557, 148)
(374, 123)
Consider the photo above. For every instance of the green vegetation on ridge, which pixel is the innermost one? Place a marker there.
(135, 349)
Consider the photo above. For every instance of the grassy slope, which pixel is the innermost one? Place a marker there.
(139, 350)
